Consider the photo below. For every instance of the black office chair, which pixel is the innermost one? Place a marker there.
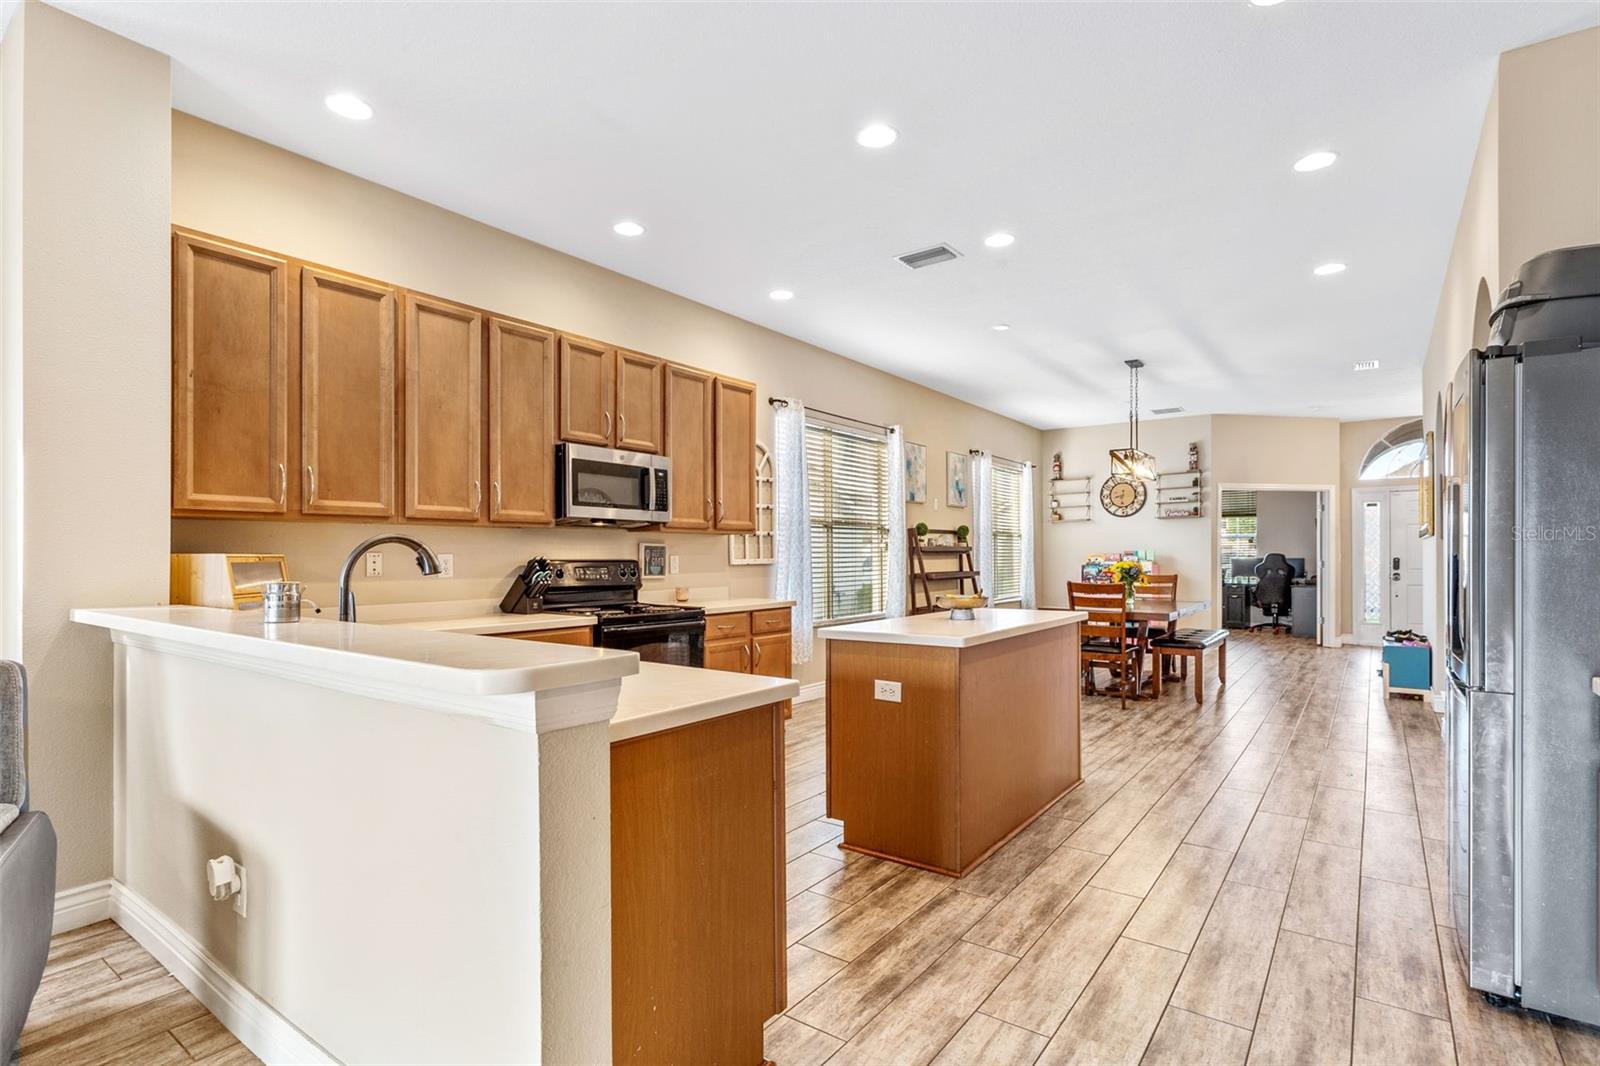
(1272, 589)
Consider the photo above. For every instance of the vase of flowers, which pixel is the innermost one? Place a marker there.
(1129, 572)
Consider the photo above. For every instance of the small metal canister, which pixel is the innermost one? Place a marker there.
(280, 601)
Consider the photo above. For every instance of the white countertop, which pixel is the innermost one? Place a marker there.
(453, 663)
(989, 624)
(482, 617)
(661, 697)
(716, 605)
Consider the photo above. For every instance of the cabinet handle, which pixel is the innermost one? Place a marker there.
(744, 655)
(708, 510)
(607, 433)
(283, 484)
(498, 507)
(477, 496)
(722, 511)
(757, 646)
(622, 426)
(311, 475)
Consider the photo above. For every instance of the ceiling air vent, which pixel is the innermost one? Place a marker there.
(1166, 410)
(939, 253)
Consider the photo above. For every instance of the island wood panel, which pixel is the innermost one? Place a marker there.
(892, 767)
(689, 445)
(1019, 750)
(582, 636)
(522, 422)
(230, 378)
(347, 395)
(444, 410)
(697, 890)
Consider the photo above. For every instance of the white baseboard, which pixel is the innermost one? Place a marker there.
(814, 691)
(81, 906)
(271, 1036)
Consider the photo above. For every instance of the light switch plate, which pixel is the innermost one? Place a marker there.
(672, 564)
(889, 691)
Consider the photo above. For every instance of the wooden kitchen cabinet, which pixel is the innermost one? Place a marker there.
(587, 380)
(522, 422)
(582, 636)
(638, 403)
(697, 890)
(770, 655)
(347, 395)
(444, 410)
(230, 378)
(731, 655)
(735, 453)
(689, 444)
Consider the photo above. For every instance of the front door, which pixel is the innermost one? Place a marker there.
(1404, 561)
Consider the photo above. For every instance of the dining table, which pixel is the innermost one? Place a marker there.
(1146, 611)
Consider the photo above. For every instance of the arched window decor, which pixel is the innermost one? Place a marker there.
(1398, 454)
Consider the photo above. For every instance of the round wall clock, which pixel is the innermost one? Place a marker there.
(1122, 496)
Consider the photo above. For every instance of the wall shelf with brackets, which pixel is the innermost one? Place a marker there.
(1180, 494)
(1071, 499)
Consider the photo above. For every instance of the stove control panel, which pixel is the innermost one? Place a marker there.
(612, 572)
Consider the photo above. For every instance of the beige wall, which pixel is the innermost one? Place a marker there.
(86, 343)
(1532, 188)
(1286, 522)
(228, 184)
(1186, 546)
(1355, 438)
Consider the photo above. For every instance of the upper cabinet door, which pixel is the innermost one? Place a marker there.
(522, 421)
(588, 388)
(689, 408)
(347, 395)
(230, 378)
(735, 455)
(444, 410)
(638, 408)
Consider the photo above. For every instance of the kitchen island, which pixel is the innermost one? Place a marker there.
(946, 738)
(445, 836)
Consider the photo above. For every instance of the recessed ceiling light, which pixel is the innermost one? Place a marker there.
(1000, 327)
(877, 135)
(1327, 269)
(350, 106)
(1365, 364)
(628, 228)
(780, 294)
(1315, 161)
(999, 240)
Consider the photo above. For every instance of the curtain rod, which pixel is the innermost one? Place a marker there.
(1019, 462)
(778, 401)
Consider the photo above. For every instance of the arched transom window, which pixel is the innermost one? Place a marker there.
(1397, 454)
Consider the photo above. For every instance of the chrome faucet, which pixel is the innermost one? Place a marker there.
(427, 562)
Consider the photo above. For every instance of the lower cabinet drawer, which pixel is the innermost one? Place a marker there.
(582, 636)
(774, 621)
(727, 626)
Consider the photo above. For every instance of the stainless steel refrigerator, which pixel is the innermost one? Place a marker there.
(1521, 503)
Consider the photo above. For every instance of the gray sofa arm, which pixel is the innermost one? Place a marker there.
(27, 912)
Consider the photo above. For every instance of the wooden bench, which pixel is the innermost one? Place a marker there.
(1186, 644)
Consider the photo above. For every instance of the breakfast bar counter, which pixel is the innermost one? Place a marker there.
(945, 737)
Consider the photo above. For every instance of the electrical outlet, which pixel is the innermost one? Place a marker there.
(375, 564)
(239, 906)
(447, 565)
(888, 691)
(672, 564)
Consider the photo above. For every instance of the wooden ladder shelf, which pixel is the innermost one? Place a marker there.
(919, 574)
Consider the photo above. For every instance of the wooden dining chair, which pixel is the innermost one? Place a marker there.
(1108, 639)
(1158, 589)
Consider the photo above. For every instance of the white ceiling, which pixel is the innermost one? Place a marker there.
(1140, 152)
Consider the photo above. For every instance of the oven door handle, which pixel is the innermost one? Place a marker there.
(659, 627)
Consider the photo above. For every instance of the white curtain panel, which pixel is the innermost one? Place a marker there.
(894, 585)
(1030, 518)
(983, 519)
(791, 522)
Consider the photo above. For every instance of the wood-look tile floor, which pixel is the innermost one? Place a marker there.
(104, 999)
(1257, 879)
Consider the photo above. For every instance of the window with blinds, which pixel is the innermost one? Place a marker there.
(1238, 525)
(847, 482)
(1005, 497)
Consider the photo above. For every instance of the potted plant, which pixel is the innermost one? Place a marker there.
(922, 533)
(1129, 572)
(961, 533)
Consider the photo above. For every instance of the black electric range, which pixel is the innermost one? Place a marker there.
(607, 590)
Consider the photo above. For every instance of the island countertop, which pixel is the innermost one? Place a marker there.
(938, 630)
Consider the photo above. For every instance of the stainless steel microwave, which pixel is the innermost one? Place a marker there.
(604, 486)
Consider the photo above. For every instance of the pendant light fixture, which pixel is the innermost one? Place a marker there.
(1130, 461)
